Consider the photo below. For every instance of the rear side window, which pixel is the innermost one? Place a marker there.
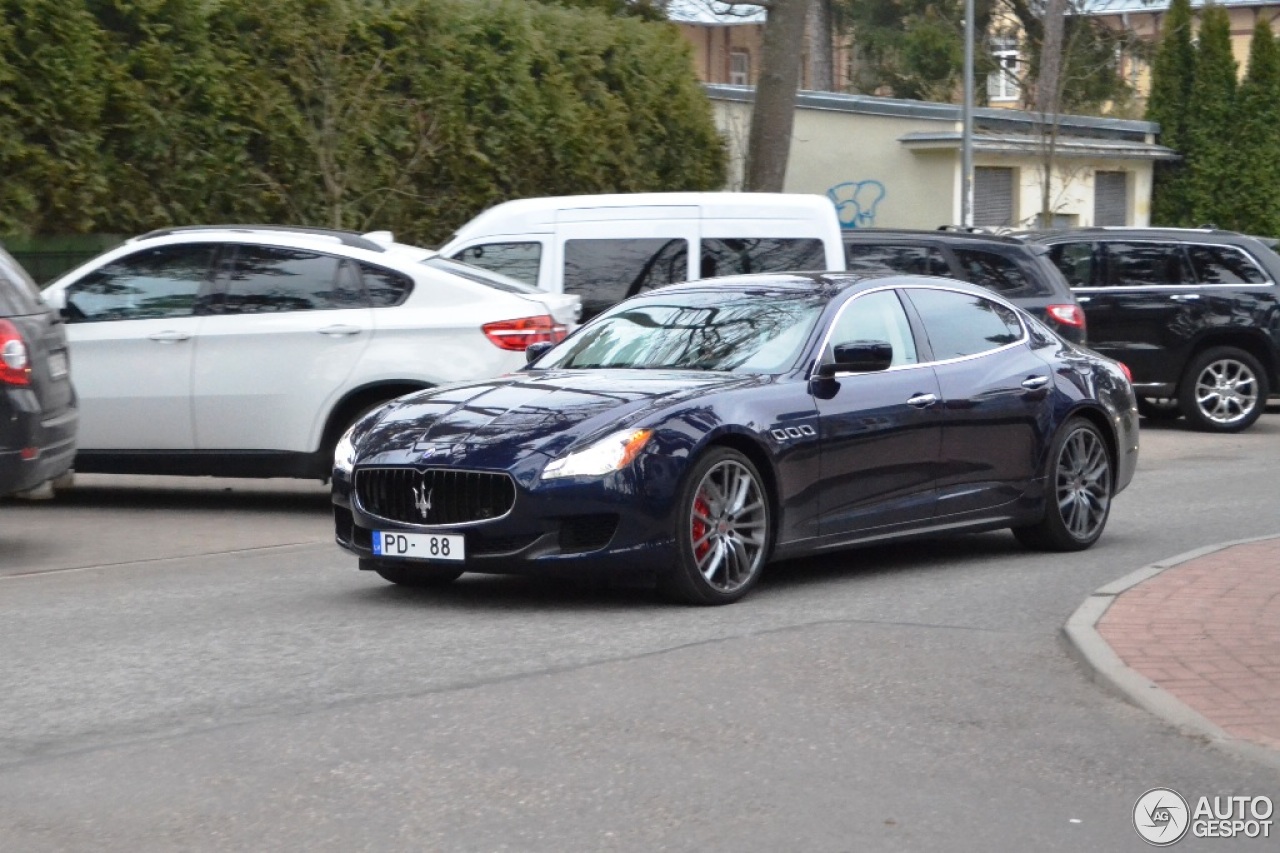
(159, 282)
(385, 288)
(18, 293)
(877, 258)
(517, 260)
(1146, 264)
(604, 272)
(999, 273)
(744, 255)
(1076, 262)
(269, 279)
(960, 324)
(1224, 265)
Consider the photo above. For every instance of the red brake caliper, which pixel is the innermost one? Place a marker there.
(700, 509)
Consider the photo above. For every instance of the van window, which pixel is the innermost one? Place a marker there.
(738, 255)
(517, 260)
(604, 272)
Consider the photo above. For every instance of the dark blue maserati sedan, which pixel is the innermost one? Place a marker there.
(696, 432)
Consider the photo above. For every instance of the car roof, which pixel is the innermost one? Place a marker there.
(835, 282)
(296, 236)
(1141, 232)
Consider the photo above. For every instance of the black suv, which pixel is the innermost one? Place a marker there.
(1192, 312)
(1017, 271)
(38, 414)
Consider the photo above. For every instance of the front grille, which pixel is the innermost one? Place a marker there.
(436, 496)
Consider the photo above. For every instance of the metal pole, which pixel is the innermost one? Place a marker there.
(966, 133)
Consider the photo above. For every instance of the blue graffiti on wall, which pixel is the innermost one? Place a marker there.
(856, 202)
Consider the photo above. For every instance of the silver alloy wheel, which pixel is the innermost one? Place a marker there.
(728, 526)
(1084, 483)
(1226, 391)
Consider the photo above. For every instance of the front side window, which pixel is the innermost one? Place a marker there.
(1146, 264)
(270, 279)
(877, 317)
(879, 258)
(517, 260)
(755, 332)
(605, 271)
(961, 324)
(1224, 265)
(997, 272)
(163, 281)
(744, 255)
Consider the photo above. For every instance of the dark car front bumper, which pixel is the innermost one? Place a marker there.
(34, 447)
(569, 527)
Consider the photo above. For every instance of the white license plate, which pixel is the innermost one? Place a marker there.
(57, 364)
(419, 546)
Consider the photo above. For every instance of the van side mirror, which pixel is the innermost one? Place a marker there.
(858, 357)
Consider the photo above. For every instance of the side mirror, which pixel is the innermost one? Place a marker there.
(858, 357)
(533, 352)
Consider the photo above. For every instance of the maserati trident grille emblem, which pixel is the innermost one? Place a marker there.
(422, 500)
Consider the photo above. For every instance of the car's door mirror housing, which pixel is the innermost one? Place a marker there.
(858, 357)
(533, 352)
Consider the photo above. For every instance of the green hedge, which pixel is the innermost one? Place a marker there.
(118, 116)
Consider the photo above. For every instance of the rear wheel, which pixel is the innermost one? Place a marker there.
(405, 574)
(1077, 491)
(721, 531)
(1224, 390)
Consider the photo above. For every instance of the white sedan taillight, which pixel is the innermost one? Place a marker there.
(516, 335)
(15, 365)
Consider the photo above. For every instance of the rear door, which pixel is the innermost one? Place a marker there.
(287, 330)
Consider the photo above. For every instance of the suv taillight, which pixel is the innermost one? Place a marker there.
(15, 365)
(516, 335)
(1067, 315)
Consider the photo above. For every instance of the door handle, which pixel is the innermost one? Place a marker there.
(169, 337)
(1083, 299)
(1035, 383)
(1185, 297)
(923, 401)
(339, 331)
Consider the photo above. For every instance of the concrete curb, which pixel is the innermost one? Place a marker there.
(1104, 667)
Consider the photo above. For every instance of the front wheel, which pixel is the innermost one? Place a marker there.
(404, 574)
(722, 531)
(1224, 390)
(1077, 491)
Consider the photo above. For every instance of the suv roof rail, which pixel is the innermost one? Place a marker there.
(347, 238)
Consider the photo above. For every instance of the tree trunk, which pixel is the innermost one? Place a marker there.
(773, 115)
(822, 74)
(1047, 98)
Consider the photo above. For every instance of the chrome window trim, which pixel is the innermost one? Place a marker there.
(1110, 241)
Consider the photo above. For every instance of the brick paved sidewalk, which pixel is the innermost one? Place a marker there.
(1207, 631)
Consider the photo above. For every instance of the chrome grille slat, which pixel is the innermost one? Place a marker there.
(456, 497)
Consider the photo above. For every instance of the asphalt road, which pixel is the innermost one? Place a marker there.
(192, 665)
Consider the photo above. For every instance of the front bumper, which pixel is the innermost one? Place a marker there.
(561, 528)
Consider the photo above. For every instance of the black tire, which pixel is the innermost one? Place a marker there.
(1159, 408)
(1078, 487)
(405, 574)
(1223, 390)
(722, 531)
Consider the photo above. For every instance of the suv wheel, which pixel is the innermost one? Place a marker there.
(1224, 390)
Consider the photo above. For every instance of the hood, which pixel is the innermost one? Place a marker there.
(496, 423)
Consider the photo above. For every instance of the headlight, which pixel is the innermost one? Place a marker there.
(344, 453)
(611, 453)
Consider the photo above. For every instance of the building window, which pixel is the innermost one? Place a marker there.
(993, 201)
(1110, 198)
(1003, 83)
(739, 68)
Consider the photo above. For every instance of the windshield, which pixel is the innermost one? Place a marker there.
(757, 332)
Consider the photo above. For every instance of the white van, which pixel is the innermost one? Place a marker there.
(608, 247)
